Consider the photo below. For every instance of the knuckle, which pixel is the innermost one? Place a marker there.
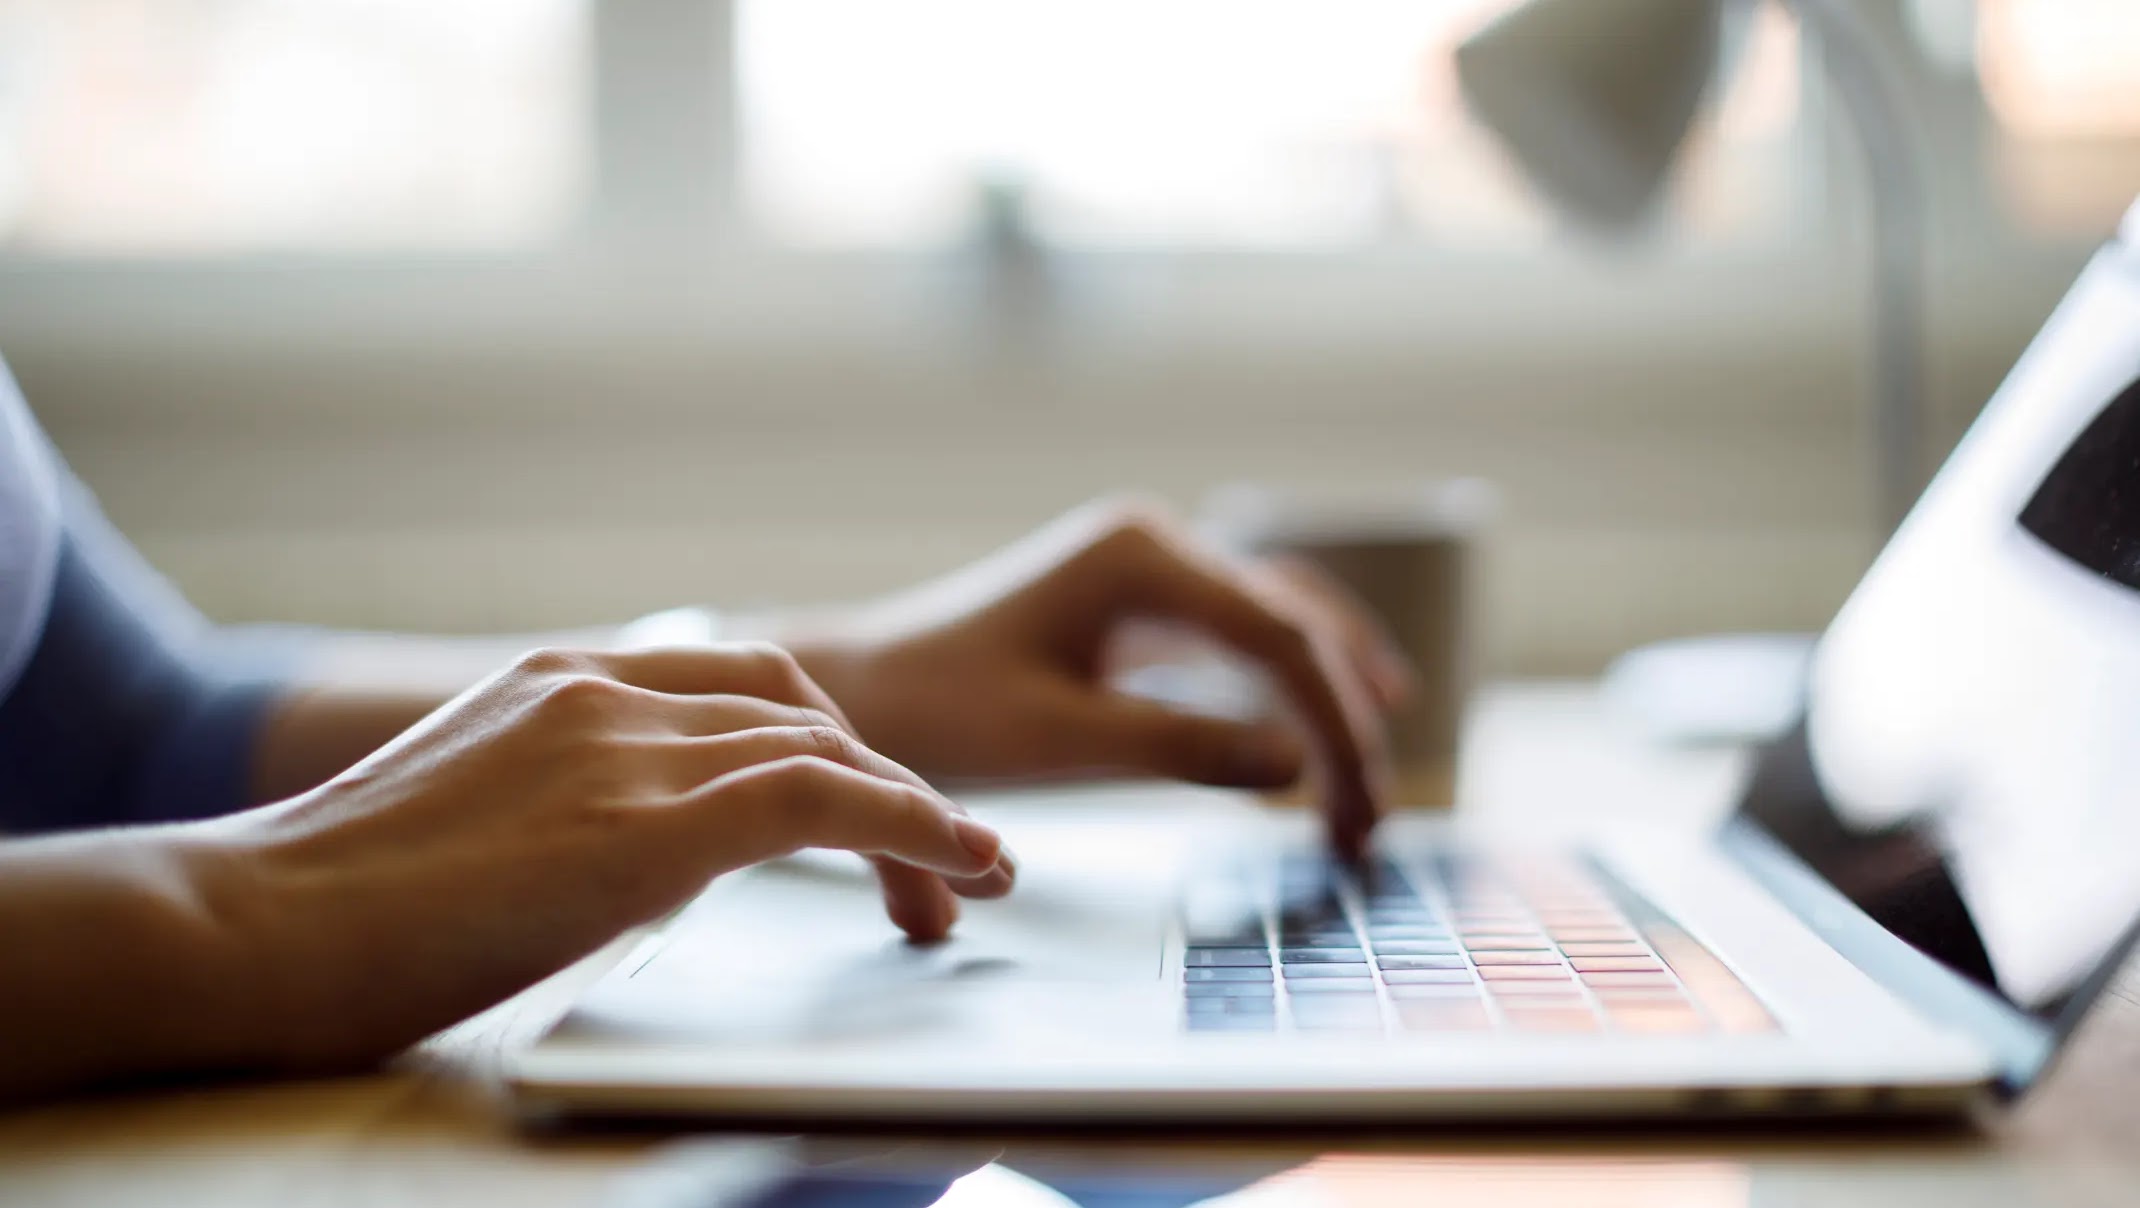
(1136, 519)
(580, 695)
(552, 660)
(829, 742)
(767, 659)
(808, 718)
(805, 787)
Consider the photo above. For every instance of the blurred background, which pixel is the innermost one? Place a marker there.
(477, 314)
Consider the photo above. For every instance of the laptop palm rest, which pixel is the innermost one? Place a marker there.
(800, 952)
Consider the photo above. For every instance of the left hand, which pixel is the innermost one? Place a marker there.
(998, 671)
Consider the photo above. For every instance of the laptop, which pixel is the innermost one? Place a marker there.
(1924, 887)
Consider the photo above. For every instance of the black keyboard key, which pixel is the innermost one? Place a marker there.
(1305, 918)
(1213, 958)
(1226, 973)
(1230, 934)
(1326, 938)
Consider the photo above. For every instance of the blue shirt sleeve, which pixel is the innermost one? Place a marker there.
(132, 707)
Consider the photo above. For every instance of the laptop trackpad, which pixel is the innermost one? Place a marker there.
(801, 950)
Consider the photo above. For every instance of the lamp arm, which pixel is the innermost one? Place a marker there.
(1867, 84)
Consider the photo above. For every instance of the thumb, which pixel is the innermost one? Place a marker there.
(1143, 736)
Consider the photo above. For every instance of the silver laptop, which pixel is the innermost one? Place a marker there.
(1924, 887)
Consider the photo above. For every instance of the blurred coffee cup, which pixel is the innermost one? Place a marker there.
(1405, 554)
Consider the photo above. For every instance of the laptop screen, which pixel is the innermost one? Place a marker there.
(1968, 771)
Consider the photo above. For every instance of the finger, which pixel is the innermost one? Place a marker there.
(775, 809)
(756, 669)
(916, 900)
(920, 901)
(1182, 583)
(711, 716)
(1132, 735)
(1374, 652)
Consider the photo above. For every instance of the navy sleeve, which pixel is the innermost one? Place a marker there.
(132, 707)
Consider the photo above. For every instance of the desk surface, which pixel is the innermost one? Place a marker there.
(430, 1131)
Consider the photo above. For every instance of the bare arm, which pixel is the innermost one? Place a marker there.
(110, 964)
(566, 798)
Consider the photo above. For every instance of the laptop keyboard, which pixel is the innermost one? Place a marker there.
(1448, 943)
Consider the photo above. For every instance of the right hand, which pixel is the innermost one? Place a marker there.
(540, 814)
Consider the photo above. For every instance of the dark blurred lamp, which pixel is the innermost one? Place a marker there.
(1593, 100)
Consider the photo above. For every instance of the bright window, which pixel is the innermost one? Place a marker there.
(2062, 82)
(153, 127)
(1253, 123)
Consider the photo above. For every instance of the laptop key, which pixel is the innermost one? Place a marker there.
(1443, 1017)
(1604, 950)
(1255, 989)
(1407, 931)
(1226, 973)
(1616, 964)
(1322, 956)
(1207, 958)
(1534, 989)
(1318, 938)
(1331, 985)
(1391, 964)
(1494, 973)
(1231, 1023)
(1448, 991)
(1312, 972)
(1428, 977)
(1371, 1022)
(1415, 948)
(1517, 956)
(1230, 1006)
(1504, 942)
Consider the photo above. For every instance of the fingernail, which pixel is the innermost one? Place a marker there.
(984, 843)
(1006, 866)
(1269, 757)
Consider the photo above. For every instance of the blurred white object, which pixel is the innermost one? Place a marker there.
(1594, 99)
(1746, 687)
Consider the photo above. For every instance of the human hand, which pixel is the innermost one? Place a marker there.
(999, 671)
(543, 812)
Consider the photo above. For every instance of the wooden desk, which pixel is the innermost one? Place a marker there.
(1541, 756)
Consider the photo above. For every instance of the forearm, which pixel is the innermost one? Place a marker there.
(113, 966)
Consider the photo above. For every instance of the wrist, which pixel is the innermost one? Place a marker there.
(120, 968)
(248, 975)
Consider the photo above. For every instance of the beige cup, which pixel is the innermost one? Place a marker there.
(1406, 554)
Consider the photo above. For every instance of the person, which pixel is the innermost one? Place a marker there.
(266, 851)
